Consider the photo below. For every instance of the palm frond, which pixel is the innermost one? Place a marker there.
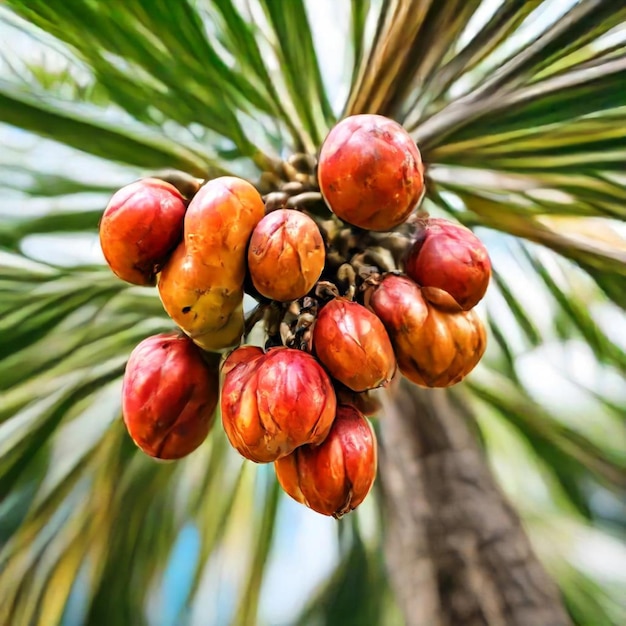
(57, 121)
(571, 546)
(296, 54)
(518, 109)
(501, 25)
(359, 570)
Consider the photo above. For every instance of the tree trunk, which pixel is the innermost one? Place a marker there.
(456, 551)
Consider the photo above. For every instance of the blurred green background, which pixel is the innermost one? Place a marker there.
(519, 109)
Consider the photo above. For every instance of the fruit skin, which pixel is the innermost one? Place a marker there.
(227, 336)
(353, 345)
(201, 286)
(336, 476)
(450, 257)
(436, 343)
(141, 225)
(195, 297)
(169, 396)
(286, 255)
(370, 172)
(274, 402)
(242, 356)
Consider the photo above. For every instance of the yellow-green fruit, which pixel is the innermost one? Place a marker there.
(201, 286)
(227, 336)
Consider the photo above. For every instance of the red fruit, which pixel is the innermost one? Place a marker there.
(140, 227)
(241, 358)
(169, 396)
(450, 257)
(436, 343)
(370, 172)
(336, 476)
(286, 255)
(353, 345)
(274, 402)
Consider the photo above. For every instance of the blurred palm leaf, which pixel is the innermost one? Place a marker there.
(518, 108)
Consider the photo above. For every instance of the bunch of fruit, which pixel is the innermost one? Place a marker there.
(352, 285)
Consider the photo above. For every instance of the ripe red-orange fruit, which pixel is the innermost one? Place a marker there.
(274, 402)
(286, 255)
(169, 396)
(370, 172)
(353, 345)
(140, 227)
(450, 257)
(436, 343)
(336, 476)
(242, 358)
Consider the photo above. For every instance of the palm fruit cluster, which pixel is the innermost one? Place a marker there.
(355, 287)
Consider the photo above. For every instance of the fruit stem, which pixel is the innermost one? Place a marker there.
(254, 316)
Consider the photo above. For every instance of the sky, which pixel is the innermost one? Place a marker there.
(307, 550)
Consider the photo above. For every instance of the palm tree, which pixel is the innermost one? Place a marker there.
(519, 110)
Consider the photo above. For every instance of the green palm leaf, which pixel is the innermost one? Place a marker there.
(519, 112)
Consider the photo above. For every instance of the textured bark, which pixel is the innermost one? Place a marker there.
(456, 551)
